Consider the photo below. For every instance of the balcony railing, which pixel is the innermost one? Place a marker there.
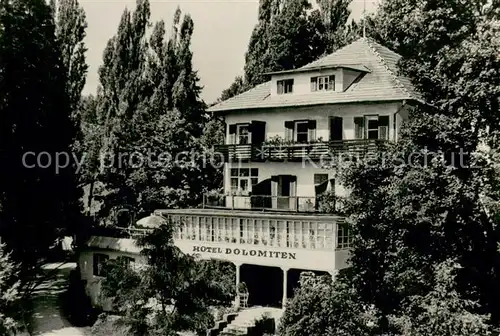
(120, 232)
(303, 204)
(300, 151)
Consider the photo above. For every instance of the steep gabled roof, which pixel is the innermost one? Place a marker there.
(381, 83)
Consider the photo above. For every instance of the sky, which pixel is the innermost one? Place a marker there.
(222, 29)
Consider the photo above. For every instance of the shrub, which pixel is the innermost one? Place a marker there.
(9, 295)
(109, 325)
(76, 304)
(265, 325)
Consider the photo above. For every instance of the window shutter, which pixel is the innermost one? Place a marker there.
(258, 130)
(383, 127)
(359, 128)
(383, 121)
(321, 188)
(331, 84)
(274, 185)
(232, 134)
(312, 130)
(289, 125)
(293, 190)
(332, 185)
(383, 132)
(95, 264)
(394, 126)
(280, 87)
(336, 128)
(290, 85)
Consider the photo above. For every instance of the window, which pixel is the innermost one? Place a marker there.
(394, 126)
(371, 127)
(243, 134)
(301, 131)
(99, 260)
(321, 184)
(320, 178)
(242, 179)
(323, 83)
(125, 261)
(285, 86)
(359, 128)
(344, 238)
(240, 134)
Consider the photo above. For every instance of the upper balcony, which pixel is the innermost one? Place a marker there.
(291, 151)
(324, 203)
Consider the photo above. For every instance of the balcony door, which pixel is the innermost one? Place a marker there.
(336, 128)
(283, 192)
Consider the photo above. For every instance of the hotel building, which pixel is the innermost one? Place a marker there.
(280, 212)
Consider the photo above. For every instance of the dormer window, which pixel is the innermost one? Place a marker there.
(323, 83)
(285, 86)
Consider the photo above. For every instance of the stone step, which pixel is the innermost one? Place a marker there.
(232, 327)
(245, 320)
(233, 333)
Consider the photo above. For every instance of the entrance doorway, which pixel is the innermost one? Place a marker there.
(265, 285)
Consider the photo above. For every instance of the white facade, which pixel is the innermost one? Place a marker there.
(86, 261)
(270, 213)
(302, 80)
(305, 170)
(285, 258)
(275, 118)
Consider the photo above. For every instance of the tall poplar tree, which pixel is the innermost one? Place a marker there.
(290, 34)
(151, 115)
(71, 24)
(70, 32)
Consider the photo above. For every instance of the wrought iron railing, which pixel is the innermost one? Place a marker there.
(300, 151)
(305, 204)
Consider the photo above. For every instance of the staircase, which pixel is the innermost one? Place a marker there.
(244, 323)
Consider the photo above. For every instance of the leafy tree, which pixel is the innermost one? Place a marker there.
(334, 15)
(38, 200)
(441, 311)
(70, 21)
(322, 307)
(257, 56)
(409, 218)
(237, 87)
(173, 292)
(70, 31)
(288, 35)
(9, 294)
(151, 118)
